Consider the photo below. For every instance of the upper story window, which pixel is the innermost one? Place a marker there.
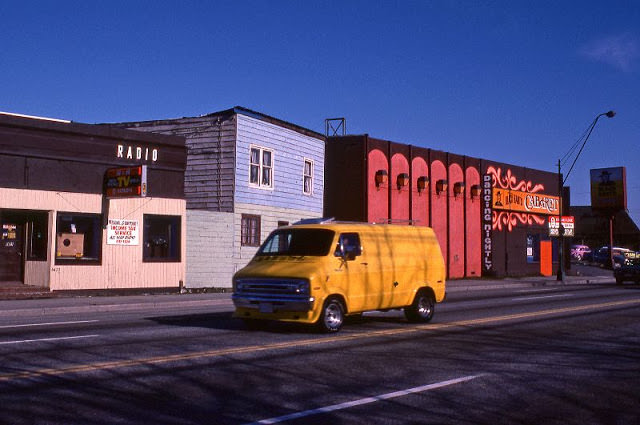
(307, 177)
(261, 168)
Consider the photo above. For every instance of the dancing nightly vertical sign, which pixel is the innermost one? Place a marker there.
(487, 225)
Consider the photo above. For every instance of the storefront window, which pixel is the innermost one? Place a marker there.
(161, 238)
(78, 238)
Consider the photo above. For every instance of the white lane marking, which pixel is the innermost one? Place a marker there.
(63, 338)
(366, 400)
(26, 325)
(541, 297)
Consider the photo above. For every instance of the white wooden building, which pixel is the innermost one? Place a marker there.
(61, 227)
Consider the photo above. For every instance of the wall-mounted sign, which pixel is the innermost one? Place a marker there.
(137, 153)
(609, 188)
(126, 182)
(532, 203)
(487, 226)
(518, 201)
(122, 232)
(568, 223)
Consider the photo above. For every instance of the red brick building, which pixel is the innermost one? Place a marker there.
(490, 218)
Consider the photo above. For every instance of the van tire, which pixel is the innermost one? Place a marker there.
(422, 309)
(332, 316)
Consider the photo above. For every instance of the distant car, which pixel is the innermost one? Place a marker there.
(580, 252)
(629, 269)
(602, 258)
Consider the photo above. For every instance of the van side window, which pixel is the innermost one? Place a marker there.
(348, 246)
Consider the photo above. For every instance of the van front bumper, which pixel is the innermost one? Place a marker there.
(266, 304)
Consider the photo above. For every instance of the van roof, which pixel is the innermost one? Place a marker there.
(341, 226)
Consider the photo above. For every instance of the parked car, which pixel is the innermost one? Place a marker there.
(601, 256)
(581, 253)
(629, 269)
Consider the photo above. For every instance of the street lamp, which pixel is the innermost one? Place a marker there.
(561, 182)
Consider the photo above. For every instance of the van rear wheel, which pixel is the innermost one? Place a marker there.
(422, 309)
(332, 316)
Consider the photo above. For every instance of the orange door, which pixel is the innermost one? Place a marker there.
(546, 263)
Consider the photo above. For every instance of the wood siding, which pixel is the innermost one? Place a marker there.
(70, 157)
(122, 266)
(210, 173)
(290, 148)
(210, 249)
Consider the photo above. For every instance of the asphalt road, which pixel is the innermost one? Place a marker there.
(565, 354)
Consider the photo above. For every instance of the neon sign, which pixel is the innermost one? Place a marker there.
(518, 201)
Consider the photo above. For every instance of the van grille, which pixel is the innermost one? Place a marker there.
(272, 295)
(276, 288)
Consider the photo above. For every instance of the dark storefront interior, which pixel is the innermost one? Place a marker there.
(24, 238)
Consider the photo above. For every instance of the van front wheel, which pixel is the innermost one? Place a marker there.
(332, 316)
(421, 311)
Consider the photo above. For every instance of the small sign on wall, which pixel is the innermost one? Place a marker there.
(126, 182)
(122, 232)
(568, 223)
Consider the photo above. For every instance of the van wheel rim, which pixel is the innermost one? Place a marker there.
(333, 316)
(424, 307)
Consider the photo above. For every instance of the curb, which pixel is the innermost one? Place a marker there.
(102, 308)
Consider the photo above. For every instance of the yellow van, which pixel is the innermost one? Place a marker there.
(320, 272)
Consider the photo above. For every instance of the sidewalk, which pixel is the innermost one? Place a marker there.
(100, 304)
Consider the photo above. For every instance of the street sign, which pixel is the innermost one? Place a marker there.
(568, 223)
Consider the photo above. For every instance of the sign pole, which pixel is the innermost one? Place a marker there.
(611, 241)
(560, 276)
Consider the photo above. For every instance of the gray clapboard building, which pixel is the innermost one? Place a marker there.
(247, 173)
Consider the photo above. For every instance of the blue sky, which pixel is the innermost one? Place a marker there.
(511, 81)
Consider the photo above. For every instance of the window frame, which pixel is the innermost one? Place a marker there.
(261, 167)
(245, 230)
(96, 238)
(36, 248)
(174, 254)
(306, 176)
(348, 251)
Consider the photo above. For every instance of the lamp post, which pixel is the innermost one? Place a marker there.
(561, 182)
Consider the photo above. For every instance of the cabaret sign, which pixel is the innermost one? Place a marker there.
(526, 202)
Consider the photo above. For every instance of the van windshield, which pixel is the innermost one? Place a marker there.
(298, 242)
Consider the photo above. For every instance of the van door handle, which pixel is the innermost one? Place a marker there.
(365, 264)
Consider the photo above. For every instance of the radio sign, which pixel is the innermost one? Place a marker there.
(126, 182)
